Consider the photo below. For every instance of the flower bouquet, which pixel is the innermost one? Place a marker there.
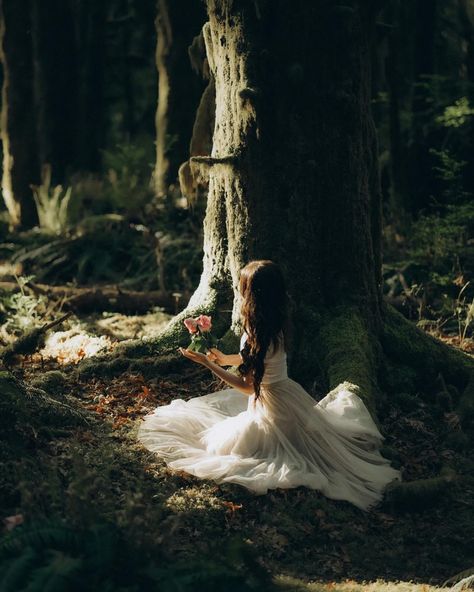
(200, 330)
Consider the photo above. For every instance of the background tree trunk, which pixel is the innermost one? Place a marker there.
(421, 178)
(394, 82)
(55, 72)
(177, 23)
(20, 163)
(89, 18)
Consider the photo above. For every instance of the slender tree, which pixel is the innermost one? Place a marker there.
(421, 178)
(177, 23)
(20, 162)
(55, 77)
(89, 18)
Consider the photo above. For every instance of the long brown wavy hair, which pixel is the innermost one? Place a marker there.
(264, 315)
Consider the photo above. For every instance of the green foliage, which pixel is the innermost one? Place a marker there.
(55, 557)
(22, 311)
(457, 114)
(128, 171)
(108, 248)
(53, 204)
(449, 169)
(442, 247)
(436, 240)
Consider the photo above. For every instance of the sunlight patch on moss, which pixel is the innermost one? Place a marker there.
(198, 498)
(286, 584)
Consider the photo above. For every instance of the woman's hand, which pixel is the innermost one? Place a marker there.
(217, 356)
(195, 356)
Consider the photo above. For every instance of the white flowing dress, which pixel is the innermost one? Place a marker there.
(283, 439)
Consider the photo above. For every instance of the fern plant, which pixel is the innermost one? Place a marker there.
(54, 557)
(52, 203)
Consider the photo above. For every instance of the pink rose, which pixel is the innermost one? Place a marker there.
(12, 522)
(191, 325)
(204, 323)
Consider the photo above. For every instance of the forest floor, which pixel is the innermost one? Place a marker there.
(298, 535)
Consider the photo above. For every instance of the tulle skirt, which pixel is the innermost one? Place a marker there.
(282, 440)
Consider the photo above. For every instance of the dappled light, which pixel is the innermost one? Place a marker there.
(72, 346)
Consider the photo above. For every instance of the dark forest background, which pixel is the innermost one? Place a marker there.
(85, 77)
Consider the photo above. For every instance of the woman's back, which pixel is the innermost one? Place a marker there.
(275, 362)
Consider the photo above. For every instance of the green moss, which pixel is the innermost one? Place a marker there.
(229, 342)
(422, 493)
(53, 381)
(404, 343)
(347, 351)
(398, 378)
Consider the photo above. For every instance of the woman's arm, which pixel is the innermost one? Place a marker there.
(242, 383)
(214, 355)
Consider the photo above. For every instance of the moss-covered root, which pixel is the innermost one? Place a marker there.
(414, 495)
(22, 405)
(158, 356)
(347, 352)
(403, 342)
(175, 333)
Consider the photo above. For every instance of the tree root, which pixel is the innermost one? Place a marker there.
(158, 356)
(403, 342)
(101, 299)
(415, 495)
(25, 408)
(434, 365)
(348, 353)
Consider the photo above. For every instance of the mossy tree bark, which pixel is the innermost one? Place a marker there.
(177, 22)
(20, 163)
(292, 172)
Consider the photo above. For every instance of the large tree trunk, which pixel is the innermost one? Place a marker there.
(20, 163)
(177, 22)
(293, 175)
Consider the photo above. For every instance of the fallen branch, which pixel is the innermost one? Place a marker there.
(105, 298)
(30, 341)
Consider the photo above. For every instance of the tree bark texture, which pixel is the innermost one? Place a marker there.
(292, 173)
(20, 162)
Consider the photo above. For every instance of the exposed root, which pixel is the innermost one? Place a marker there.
(415, 495)
(347, 352)
(403, 342)
(24, 407)
(158, 356)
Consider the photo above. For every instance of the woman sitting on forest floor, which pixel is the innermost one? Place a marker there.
(266, 431)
